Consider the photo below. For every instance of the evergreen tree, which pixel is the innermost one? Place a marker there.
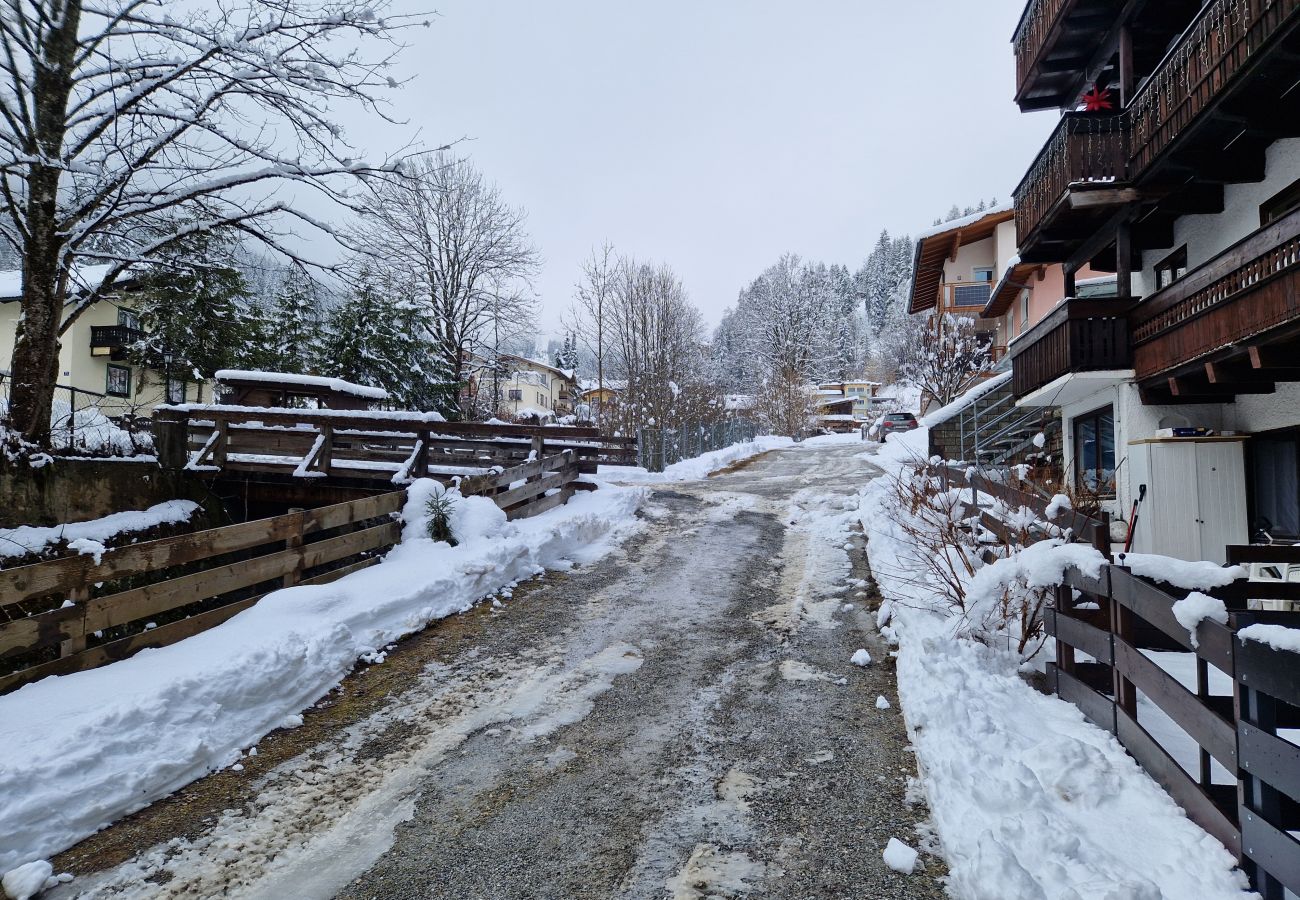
(195, 310)
(295, 323)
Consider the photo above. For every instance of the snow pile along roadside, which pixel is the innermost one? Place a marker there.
(1030, 801)
(699, 467)
(82, 750)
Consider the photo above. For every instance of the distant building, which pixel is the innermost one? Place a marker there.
(522, 387)
(94, 368)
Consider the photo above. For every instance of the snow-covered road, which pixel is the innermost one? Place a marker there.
(680, 719)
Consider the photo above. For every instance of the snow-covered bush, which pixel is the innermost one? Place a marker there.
(995, 585)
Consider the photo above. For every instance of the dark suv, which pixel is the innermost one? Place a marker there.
(892, 423)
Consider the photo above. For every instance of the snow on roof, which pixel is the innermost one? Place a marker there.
(611, 384)
(985, 387)
(337, 385)
(534, 411)
(81, 278)
(738, 401)
(567, 373)
(833, 401)
(964, 221)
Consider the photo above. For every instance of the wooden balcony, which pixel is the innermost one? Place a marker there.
(1077, 336)
(113, 341)
(1080, 174)
(1221, 329)
(966, 297)
(1054, 43)
(1213, 60)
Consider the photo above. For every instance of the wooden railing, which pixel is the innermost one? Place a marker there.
(1248, 289)
(188, 583)
(1040, 18)
(1113, 619)
(1084, 148)
(969, 296)
(1077, 336)
(1226, 36)
(398, 446)
(74, 613)
(1070, 522)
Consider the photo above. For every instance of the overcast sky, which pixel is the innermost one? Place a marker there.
(715, 135)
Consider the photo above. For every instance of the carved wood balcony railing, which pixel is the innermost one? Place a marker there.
(1084, 148)
(1226, 36)
(1077, 336)
(1250, 288)
(1040, 18)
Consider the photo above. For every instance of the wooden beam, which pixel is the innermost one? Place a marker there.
(1227, 374)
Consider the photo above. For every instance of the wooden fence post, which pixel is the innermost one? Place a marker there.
(294, 542)
(171, 439)
(421, 467)
(326, 458)
(222, 444)
(1101, 535)
(539, 446)
(78, 595)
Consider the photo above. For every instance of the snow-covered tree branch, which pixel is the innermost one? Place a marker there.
(127, 127)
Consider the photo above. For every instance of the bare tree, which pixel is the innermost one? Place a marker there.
(127, 125)
(589, 315)
(655, 344)
(446, 233)
(949, 358)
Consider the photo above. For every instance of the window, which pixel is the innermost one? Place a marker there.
(175, 390)
(1171, 268)
(1024, 310)
(1282, 203)
(983, 273)
(119, 381)
(1094, 452)
(515, 394)
(128, 319)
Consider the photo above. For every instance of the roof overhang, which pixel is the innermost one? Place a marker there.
(1075, 386)
(1013, 281)
(935, 249)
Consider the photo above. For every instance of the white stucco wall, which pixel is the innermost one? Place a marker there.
(1209, 235)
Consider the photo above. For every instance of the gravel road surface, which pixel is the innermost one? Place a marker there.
(679, 720)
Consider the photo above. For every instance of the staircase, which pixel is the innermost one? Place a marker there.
(992, 430)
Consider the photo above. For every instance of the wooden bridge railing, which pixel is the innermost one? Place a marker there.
(363, 444)
(1112, 620)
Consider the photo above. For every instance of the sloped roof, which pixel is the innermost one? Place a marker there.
(935, 247)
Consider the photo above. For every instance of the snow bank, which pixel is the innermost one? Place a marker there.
(701, 466)
(82, 750)
(1024, 792)
(29, 539)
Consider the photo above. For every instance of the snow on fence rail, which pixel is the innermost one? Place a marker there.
(81, 612)
(1106, 630)
(396, 446)
(1065, 518)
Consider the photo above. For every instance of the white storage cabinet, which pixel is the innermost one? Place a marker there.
(1195, 503)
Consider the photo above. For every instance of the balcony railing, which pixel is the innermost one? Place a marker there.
(1077, 336)
(966, 296)
(1226, 36)
(113, 340)
(1031, 37)
(1250, 288)
(1084, 149)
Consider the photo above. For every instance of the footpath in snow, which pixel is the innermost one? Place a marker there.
(82, 750)
(1030, 801)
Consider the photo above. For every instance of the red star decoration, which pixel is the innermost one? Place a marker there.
(1097, 100)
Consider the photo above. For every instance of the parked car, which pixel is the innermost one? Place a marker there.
(893, 423)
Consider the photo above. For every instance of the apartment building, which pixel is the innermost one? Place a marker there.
(1175, 166)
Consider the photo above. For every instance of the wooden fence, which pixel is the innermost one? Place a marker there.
(75, 613)
(1070, 521)
(1102, 626)
(386, 446)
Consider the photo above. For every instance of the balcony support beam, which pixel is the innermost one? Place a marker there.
(1123, 260)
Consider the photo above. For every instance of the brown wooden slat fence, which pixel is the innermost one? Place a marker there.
(1112, 619)
(196, 581)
